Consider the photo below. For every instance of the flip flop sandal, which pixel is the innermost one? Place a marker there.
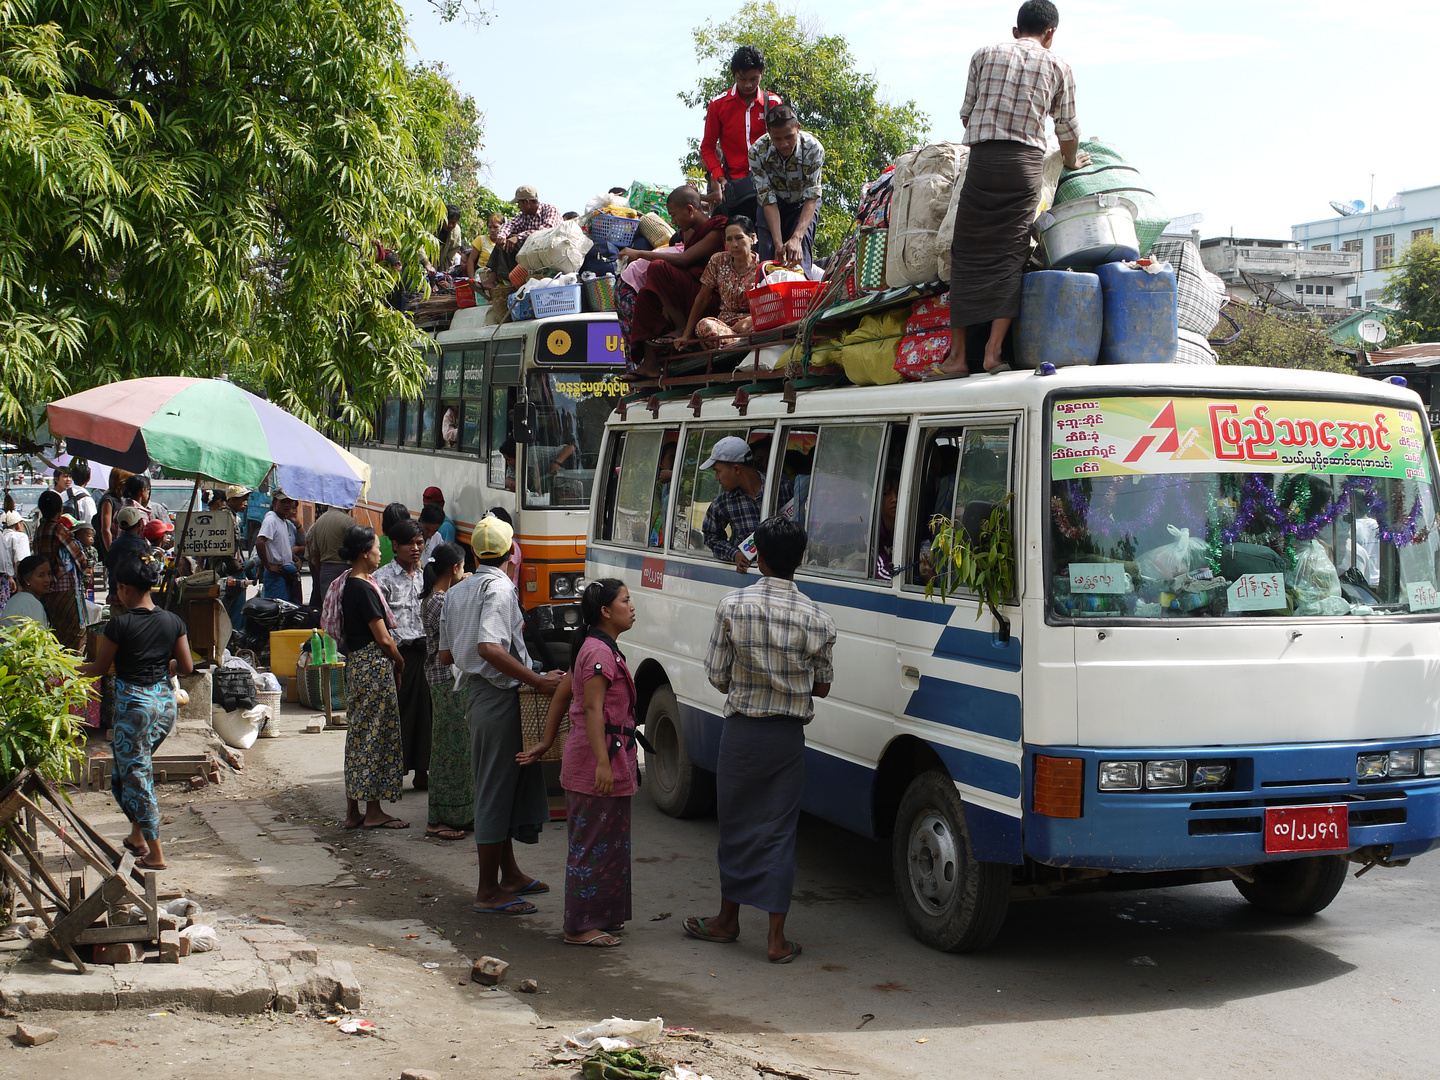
(445, 834)
(388, 823)
(535, 887)
(942, 376)
(695, 927)
(136, 851)
(599, 941)
(794, 952)
(526, 907)
(142, 865)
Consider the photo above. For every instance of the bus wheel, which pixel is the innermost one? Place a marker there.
(679, 787)
(951, 902)
(1296, 886)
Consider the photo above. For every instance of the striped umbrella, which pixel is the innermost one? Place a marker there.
(207, 428)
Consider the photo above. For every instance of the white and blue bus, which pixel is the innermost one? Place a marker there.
(1219, 659)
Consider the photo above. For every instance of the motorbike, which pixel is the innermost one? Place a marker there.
(262, 617)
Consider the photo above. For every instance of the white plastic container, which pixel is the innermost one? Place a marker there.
(1089, 232)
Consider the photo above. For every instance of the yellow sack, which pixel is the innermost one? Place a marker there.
(619, 211)
(868, 352)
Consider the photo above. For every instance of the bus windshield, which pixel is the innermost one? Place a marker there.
(572, 407)
(1203, 507)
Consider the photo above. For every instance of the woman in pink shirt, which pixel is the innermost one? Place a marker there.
(599, 770)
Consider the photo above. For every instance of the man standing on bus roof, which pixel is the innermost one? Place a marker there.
(433, 495)
(770, 655)
(1013, 87)
(733, 122)
(737, 507)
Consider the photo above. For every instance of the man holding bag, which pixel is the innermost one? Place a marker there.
(733, 122)
(533, 216)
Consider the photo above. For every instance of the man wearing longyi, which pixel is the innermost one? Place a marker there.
(1012, 88)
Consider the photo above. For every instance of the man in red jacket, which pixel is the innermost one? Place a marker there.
(733, 121)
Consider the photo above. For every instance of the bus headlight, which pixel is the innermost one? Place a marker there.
(1120, 775)
(1404, 763)
(1371, 766)
(1160, 775)
(1430, 762)
(566, 586)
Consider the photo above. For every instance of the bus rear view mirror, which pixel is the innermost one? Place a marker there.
(523, 422)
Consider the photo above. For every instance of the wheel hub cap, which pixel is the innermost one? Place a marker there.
(934, 862)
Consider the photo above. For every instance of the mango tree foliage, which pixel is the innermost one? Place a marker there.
(815, 73)
(196, 186)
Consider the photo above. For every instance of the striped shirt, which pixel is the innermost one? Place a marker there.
(1012, 88)
(770, 646)
(402, 590)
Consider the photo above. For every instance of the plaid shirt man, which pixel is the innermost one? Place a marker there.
(522, 225)
(781, 179)
(740, 513)
(1012, 88)
(770, 646)
(401, 590)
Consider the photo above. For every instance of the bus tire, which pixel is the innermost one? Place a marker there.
(679, 787)
(951, 901)
(1296, 886)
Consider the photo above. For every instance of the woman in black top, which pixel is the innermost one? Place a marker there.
(373, 665)
(147, 646)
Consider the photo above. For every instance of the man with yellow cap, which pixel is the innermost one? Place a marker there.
(483, 634)
(533, 216)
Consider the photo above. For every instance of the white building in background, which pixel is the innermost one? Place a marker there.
(1252, 267)
(1379, 237)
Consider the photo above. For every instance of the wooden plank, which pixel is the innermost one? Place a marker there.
(106, 848)
(152, 905)
(106, 935)
(89, 910)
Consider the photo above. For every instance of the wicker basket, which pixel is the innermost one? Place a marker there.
(657, 230)
(270, 729)
(619, 231)
(599, 293)
(533, 707)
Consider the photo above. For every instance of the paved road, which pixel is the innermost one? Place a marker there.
(1179, 983)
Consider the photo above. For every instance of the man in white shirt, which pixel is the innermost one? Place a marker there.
(483, 634)
(280, 577)
(14, 549)
(78, 501)
(402, 582)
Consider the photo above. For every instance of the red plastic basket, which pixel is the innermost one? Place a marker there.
(781, 303)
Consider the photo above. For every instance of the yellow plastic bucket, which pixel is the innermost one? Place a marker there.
(285, 655)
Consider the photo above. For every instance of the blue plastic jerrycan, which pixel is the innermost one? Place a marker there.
(1140, 314)
(1061, 317)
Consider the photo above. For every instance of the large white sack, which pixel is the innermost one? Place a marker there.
(922, 184)
(562, 248)
(1050, 180)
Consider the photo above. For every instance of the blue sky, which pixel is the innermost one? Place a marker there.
(1255, 113)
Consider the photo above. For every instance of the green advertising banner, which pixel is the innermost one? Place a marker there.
(1149, 435)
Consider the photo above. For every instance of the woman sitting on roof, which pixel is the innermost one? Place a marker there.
(731, 274)
(672, 280)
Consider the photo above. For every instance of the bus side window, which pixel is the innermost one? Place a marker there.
(696, 489)
(426, 428)
(965, 474)
(502, 398)
(839, 519)
(635, 496)
(660, 500)
(610, 477)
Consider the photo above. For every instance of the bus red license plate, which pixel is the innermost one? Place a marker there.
(1307, 828)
